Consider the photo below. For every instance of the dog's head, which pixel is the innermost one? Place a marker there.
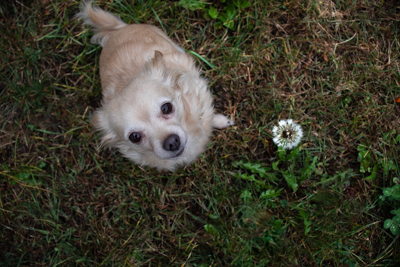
(152, 121)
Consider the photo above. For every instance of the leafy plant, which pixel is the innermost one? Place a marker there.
(365, 158)
(225, 17)
(257, 170)
(299, 166)
(192, 4)
(373, 161)
(338, 181)
(392, 193)
(307, 221)
(295, 167)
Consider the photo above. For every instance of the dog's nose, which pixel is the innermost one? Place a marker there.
(172, 143)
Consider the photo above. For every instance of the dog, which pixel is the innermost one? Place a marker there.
(156, 109)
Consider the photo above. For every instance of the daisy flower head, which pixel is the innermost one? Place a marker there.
(287, 134)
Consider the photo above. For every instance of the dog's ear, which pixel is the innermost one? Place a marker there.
(156, 68)
(100, 122)
(158, 60)
(156, 65)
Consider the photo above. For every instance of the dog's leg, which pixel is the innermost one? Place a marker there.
(220, 121)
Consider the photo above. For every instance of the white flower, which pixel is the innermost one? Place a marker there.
(287, 134)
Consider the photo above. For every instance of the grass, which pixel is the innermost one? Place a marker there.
(333, 66)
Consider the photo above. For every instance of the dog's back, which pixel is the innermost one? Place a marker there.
(126, 47)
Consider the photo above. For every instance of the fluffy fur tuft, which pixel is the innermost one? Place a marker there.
(103, 23)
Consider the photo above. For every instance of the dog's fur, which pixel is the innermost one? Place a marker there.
(141, 70)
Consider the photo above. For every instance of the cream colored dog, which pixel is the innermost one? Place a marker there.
(157, 110)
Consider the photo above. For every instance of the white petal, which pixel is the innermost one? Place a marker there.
(285, 146)
(282, 123)
(276, 140)
(275, 130)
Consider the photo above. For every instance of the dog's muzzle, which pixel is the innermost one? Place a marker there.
(172, 143)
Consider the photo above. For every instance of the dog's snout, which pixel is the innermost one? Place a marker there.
(172, 143)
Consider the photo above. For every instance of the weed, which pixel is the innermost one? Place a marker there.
(393, 194)
(225, 17)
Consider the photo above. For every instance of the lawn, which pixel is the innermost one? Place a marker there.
(331, 66)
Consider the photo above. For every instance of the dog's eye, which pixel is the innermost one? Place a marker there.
(166, 108)
(135, 137)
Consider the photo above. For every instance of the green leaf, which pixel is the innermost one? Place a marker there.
(243, 4)
(307, 171)
(23, 175)
(230, 24)
(373, 174)
(223, 17)
(396, 192)
(394, 229)
(281, 153)
(275, 166)
(245, 194)
(213, 216)
(191, 4)
(257, 168)
(213, 12)
(395, 212)
(398, 139)
(388, 165)
(231, 11)
(291, 180)
(396, 220)
(244, 176)
(211, 229)
(387, 191)
(306, 220)
(42, 164)
(387, 223)
(294, 154)
(270, 193)
(395, 198)
(364, 157)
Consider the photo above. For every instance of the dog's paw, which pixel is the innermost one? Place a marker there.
(220, 121)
